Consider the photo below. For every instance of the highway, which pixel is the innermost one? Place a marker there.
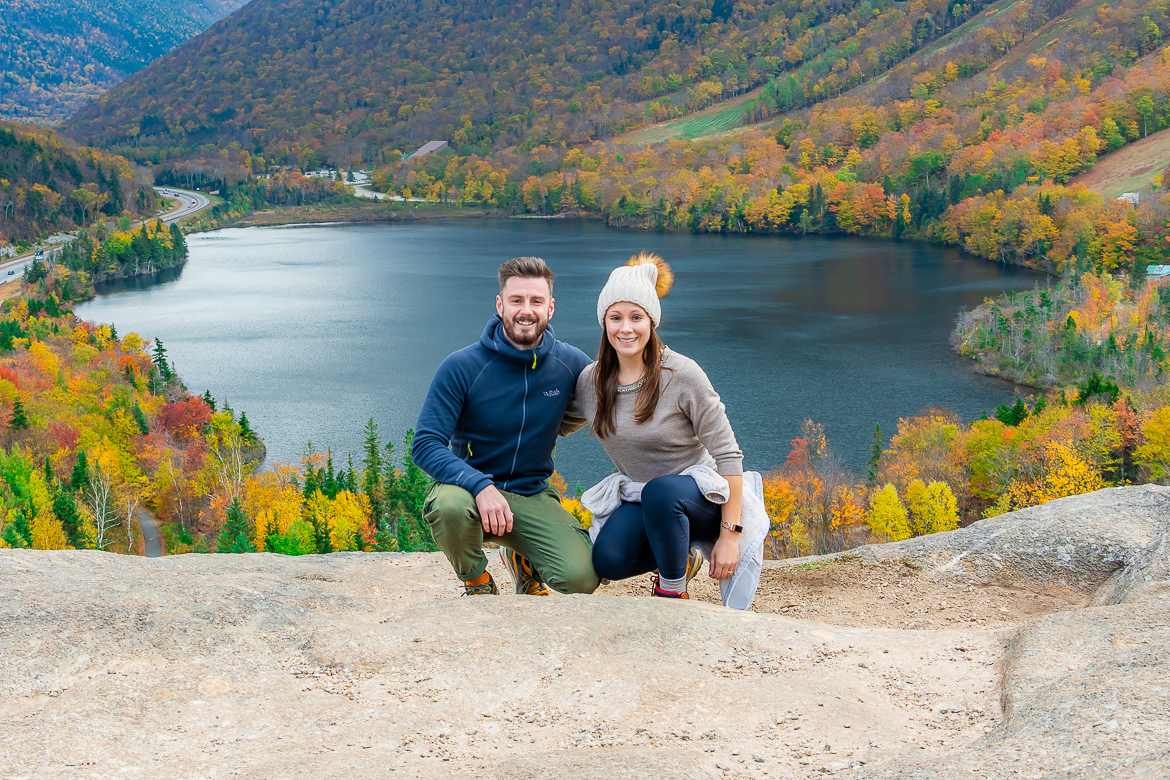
(186, 204)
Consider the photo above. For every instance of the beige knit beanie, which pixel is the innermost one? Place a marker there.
(642, 280)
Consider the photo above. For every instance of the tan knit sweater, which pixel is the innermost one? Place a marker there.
(689, 426)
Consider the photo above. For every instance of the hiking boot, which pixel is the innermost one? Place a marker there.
(695, 563)
(667, 594)
(483, 585)
(526, 580)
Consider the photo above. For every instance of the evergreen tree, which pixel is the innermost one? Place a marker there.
(321, 533)
(160, 361)
(65, 509)
(372, 481)
(50, 475)
(17, 533)
(140, 419)
(875, 451)
(350, 480)
(19, 420)
(245, 429)
(329, 483)
(80, 477)
(207, 399)
(1012, 415)
(236, 536)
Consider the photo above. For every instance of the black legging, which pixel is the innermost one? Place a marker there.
(657, 533)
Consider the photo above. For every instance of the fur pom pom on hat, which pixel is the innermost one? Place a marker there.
(644, 279)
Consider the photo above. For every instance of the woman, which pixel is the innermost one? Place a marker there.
(662, 423)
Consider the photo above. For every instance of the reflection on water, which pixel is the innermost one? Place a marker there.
(141, 282)
(314, 329)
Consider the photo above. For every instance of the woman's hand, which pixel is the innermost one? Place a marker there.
(725, 556)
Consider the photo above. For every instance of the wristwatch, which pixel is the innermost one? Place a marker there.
(730, 526)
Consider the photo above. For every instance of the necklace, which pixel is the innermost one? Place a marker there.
(636, 386)
(632, 388)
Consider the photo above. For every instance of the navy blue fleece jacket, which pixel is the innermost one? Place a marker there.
(493, 413)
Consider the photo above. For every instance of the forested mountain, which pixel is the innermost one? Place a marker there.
(57, 55)
(48, 183)
(351, 80)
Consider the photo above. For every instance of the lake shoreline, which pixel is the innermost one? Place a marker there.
(374, 212)
(822, 320)
(360, 212)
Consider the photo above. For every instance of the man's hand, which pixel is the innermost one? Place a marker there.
(494, 511)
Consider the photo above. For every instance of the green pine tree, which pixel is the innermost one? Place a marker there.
(1012, 415)
(160, 361)
(246, 429)
(207, 399)
(140, 419)
(236, 536)
(875, 451)
(17, 533)
(65, 509)
(80, 477)
(19, 420)
(372, 483)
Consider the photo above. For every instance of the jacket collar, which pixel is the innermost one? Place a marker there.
(493, 338)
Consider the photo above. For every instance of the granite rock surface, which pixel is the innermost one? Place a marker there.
(360, 665)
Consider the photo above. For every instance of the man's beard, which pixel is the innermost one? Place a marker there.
(524, 340)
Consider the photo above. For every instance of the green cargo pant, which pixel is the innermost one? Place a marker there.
(542, 531)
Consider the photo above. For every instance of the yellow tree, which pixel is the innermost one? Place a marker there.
(1064, 473)
(273, 500)
(888, 519)
(933, 507)
(1155, 453)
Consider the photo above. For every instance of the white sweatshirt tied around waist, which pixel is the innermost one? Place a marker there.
(738, 590)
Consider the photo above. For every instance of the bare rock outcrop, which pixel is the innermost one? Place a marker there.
(356, 665)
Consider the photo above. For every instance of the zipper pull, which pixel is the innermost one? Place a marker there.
(534, 360)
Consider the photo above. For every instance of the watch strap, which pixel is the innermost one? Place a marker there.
(732, 526)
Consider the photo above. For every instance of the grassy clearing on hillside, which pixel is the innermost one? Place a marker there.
(720, 117)
(1130, 168)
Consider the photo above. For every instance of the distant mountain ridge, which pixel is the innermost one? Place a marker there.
(348, 80)
(57, 55)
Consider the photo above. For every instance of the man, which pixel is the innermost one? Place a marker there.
(486, 434)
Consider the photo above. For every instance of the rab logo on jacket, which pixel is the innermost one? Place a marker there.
(552, 393)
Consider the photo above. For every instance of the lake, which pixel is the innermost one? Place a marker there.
(312, 330)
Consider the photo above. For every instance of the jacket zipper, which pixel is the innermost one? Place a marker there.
(523, 419)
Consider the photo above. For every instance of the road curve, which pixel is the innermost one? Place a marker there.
(189, 202)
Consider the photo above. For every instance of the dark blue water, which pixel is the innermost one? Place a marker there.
(312, 330)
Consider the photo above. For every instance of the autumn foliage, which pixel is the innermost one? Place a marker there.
(97, 428)
(937, 472)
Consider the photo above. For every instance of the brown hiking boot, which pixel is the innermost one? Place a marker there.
(483, 585)
(527, 581)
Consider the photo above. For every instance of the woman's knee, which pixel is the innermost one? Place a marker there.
(665, 495)
(609, 562)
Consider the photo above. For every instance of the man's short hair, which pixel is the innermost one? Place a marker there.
(526, 268)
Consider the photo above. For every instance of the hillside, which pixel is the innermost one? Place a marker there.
(49, 184)
(1131, 168)
(351, 80)
(58, 55)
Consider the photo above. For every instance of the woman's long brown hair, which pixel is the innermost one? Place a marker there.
(605, 383)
